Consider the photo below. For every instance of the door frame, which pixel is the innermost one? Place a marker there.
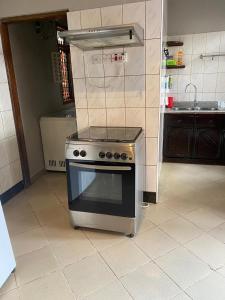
(7, 53)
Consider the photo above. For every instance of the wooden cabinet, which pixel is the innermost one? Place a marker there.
(207, 144)
(178, 134)
(178, 142)
(195, 138)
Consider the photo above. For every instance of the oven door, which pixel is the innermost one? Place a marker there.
(103, 188)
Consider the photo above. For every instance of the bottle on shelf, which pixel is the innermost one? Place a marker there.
(180, 58)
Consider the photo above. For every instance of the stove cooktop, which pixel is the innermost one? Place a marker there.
(107, 134)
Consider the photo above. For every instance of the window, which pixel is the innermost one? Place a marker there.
(66, 78)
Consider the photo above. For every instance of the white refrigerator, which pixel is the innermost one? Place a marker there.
(7, 260)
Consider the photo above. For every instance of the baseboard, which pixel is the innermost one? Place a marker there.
(12, 192)
(150, 197)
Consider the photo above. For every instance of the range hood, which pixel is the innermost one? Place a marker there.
(105, 37)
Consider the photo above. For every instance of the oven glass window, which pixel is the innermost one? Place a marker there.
(98, 187)
(102, 189)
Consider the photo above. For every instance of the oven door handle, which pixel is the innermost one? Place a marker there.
(99, 167)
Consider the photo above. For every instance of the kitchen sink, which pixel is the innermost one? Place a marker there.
(182, 108)
(202, 106)
(194, 108)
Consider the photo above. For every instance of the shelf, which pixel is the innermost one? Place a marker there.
(174, 43)
(175, 67)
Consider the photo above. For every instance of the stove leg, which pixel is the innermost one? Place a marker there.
(76, 227)
(131, 235)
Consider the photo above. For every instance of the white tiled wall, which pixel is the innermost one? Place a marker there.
(207, 74)
(117, 94)
(10, 168)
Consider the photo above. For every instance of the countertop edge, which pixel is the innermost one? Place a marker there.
(216, 112)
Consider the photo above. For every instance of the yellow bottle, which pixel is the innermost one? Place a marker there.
(180, 58)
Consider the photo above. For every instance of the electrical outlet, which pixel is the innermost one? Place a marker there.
(119, 57)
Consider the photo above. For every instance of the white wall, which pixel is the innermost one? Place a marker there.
(207, 74)
(38, 93)
(163, 93)
(195, 16)
(24, 7)
(10, 168)
(122, 94)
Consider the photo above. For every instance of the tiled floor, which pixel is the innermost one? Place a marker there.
(179, 252)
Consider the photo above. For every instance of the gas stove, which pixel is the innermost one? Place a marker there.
(107, 134)
(110, 144)
(105, 172)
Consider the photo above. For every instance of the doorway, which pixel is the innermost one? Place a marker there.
(30, 48)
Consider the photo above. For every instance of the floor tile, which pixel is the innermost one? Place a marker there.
(183, 267)
(145, 225)
(35, 265)
(182, 296)
(13, 295)
(204, 218)
(159, 213)
(47, 216)
(73, 250)
(62, 196)
(209, 250)
(29, 241)
(218, 233)
(210, 288)
(113, 291)
(88, 275)
(38, 189)
(103, 239)
(221, 271)
(124, 258)
(181, 230)
(59, 232)
(179, 205)
(155, 242)
(22, 223)
(54, 179)
(9, 285)
(215, 172)
(43, 200)
(17, 206)
(51, 287)
(194, 192)
(149, 282)
(218, 206)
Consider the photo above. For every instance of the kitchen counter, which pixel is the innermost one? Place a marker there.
(171, 111)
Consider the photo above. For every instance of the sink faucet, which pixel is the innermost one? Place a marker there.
(195, 98)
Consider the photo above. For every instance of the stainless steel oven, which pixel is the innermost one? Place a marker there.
(105, 178)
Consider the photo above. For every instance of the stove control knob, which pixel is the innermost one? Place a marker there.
(102, 154)
(76, 153)
(124, 156)
(109, 155)
(83, 153)
(116, 155)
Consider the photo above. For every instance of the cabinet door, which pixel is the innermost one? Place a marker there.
(208, 143)
(208, 137)
(178, 142)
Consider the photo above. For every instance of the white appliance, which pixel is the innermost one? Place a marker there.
(7, 260)
(54, 130)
